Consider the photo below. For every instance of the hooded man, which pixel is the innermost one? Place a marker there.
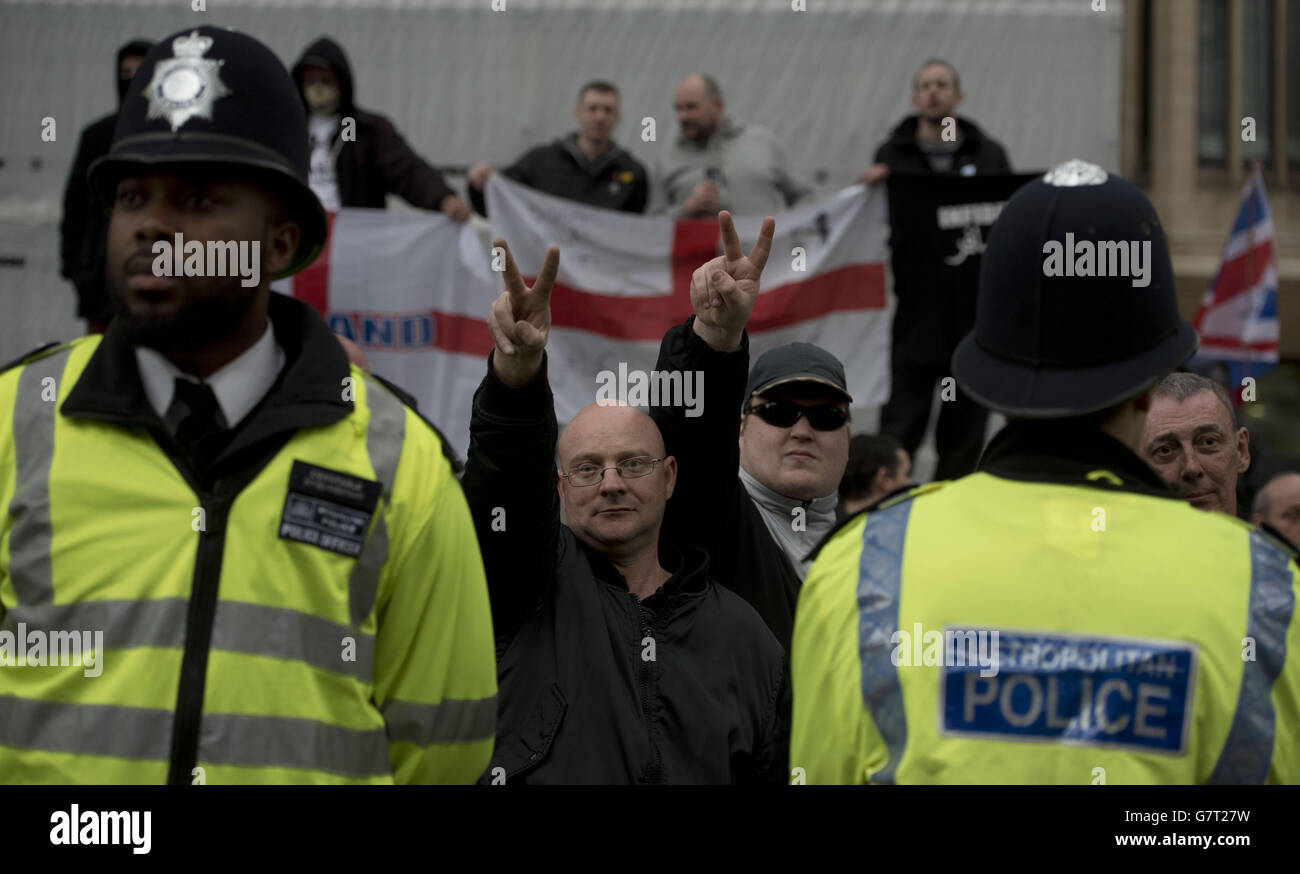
(84, 226)
(358, 157)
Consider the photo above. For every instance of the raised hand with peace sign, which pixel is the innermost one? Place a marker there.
(520, 320)
(723, 291)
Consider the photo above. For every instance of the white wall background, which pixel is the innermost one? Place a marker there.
(466, 83)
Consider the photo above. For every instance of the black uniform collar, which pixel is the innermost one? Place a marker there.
(1046, 451)
(308, 392)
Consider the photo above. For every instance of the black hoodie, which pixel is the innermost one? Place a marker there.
(378, 161)
(901, 153)
(84, 229)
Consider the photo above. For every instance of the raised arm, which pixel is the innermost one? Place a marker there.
(706, 505)
(510, 474)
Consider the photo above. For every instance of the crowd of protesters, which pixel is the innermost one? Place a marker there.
(647, 574)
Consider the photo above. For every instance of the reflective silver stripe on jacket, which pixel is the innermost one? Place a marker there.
(276, 632)
(1248, 751)
(879, 581)
(384, 438)
(31, 534)
(448, 722)
(224, 739)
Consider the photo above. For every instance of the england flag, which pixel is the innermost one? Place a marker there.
(413, 290)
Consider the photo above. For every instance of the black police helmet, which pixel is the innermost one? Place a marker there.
(215, 96)
(1051, 345)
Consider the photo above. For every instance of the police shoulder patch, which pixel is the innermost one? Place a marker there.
(1051, 687)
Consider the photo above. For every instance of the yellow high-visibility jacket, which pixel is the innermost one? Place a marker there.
(314, 610)
(1057, 617)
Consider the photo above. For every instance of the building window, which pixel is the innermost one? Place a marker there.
(1147, 102)
(1257, 79)
(1293, 85)
(1212, 90)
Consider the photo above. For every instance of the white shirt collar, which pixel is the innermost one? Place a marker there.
(238, 386)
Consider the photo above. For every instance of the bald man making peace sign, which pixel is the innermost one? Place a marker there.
(620, 660)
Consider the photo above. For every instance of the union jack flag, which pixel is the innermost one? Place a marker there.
(1237, 322)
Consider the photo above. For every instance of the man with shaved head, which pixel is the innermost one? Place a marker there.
(1277, 508)
(717, 163)
(620, 660)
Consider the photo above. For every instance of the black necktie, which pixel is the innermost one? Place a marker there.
(200, 433)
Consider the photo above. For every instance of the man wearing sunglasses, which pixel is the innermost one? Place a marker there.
(794, 445)
(619, 658)
(760, 501)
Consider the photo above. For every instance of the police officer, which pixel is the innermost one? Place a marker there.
(1059, 611)
(266, 554)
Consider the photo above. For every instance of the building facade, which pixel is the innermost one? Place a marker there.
(1198, 75)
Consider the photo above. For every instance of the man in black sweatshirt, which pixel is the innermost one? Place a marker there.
(586, 166)
(83, 231)
(935, 140)
(620, 659)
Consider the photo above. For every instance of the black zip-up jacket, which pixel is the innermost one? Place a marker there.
(901, 153)
(931, 318)
(710, 506)
(378, 161)
(615, 180)
(581, 699)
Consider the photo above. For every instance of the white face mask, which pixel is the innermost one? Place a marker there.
(322, 99)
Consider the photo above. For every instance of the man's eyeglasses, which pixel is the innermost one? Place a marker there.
(783, 414)
(587, 474)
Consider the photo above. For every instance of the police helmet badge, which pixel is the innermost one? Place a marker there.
(187, 84)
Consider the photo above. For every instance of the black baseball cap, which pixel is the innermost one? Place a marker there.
(211, 95)
(797, 362)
